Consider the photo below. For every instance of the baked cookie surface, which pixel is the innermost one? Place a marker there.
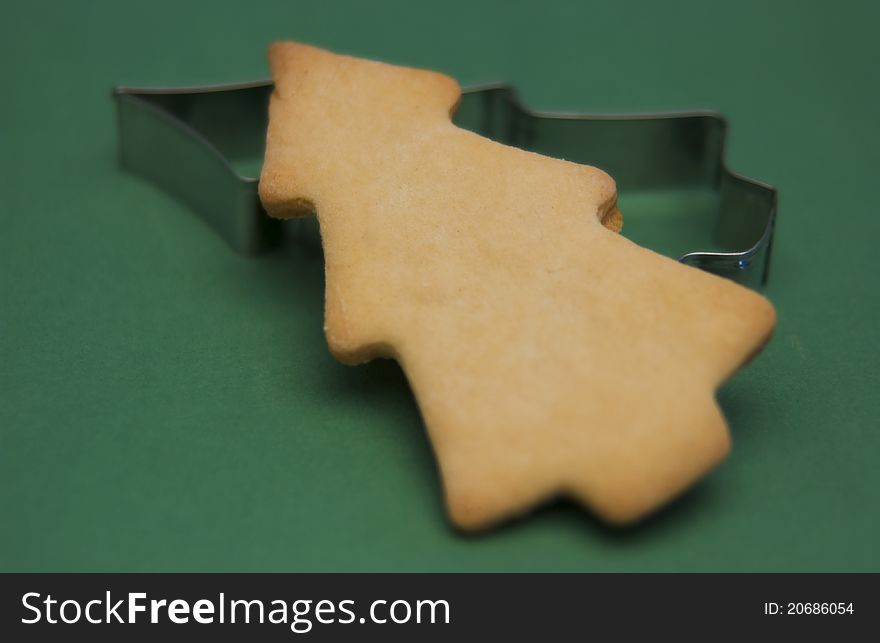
(548, 355)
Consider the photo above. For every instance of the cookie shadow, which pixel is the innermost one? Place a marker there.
(675, 515)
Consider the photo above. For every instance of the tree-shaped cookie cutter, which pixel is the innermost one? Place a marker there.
(197, 142)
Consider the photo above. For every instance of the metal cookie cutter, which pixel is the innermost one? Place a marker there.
(204, 145)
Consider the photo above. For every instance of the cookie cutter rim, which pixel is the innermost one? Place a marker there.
(686, 148)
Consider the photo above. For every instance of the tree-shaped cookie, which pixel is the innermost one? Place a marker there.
(548, 355)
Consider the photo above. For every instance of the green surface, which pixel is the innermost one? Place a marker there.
(168, 405)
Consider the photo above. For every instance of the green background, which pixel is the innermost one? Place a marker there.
(168, 405)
